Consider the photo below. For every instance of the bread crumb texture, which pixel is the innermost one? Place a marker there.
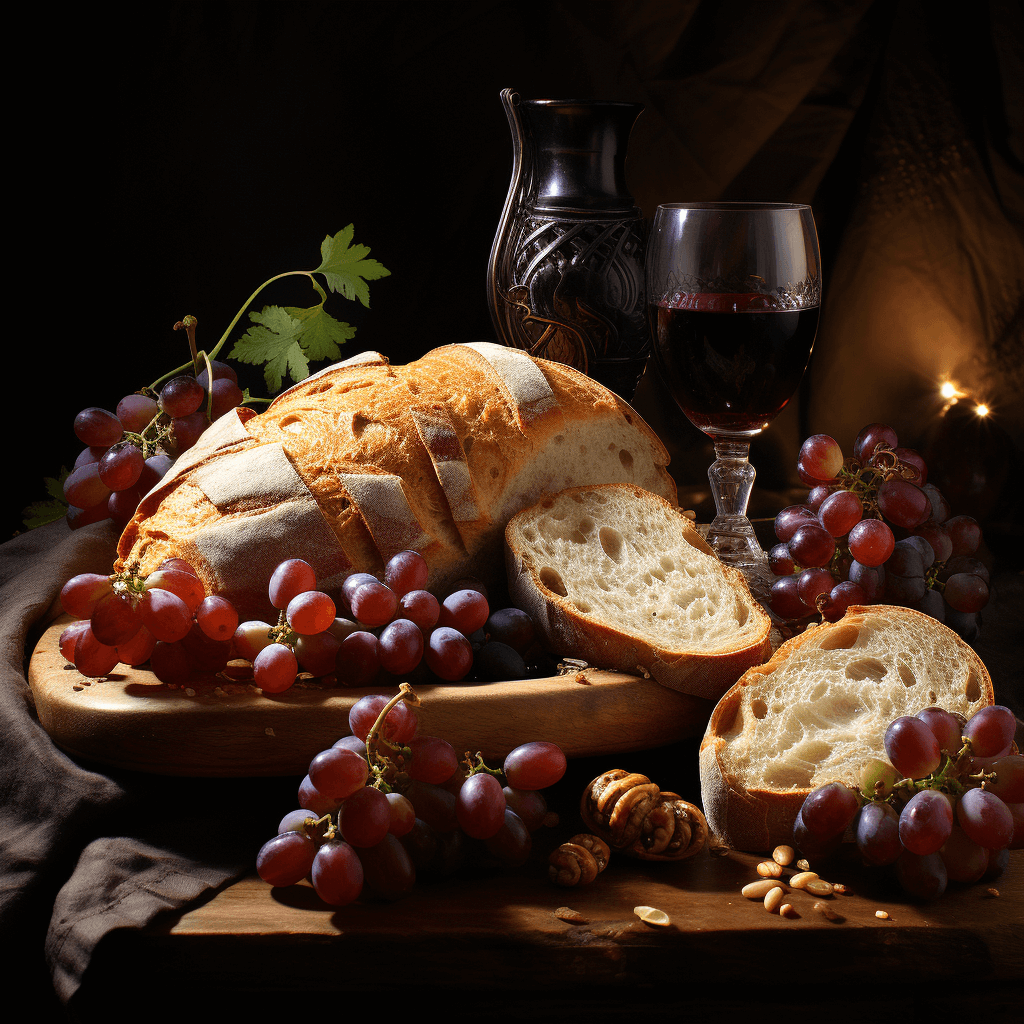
(816, 712)
(635, 565)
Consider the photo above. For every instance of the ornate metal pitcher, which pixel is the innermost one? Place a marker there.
(565, 279)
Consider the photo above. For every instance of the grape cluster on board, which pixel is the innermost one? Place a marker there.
(947, 806)
(386, 803)
(390, 627)
(872, 530)
(129, 450)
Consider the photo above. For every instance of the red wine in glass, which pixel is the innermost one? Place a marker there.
(731, 363)
(733, 295)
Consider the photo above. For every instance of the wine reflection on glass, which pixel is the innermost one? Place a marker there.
(733, 292)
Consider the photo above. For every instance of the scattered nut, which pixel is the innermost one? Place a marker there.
(783, 855)
(572, 864)
(570, 915)
(826, 911)
(882, 914)
(598, 848)
(992, 892)
(819, 887)
(788, 910)
(651, 915)
(802, 878)
(839, 888)
(773, 899)
(769, 869)
(759, 889)
(803, 865)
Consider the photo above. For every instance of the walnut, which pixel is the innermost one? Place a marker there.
(578, 861)
(633, 815)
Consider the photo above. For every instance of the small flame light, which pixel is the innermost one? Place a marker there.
(981, 409)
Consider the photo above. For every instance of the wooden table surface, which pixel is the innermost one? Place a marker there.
(494, 939)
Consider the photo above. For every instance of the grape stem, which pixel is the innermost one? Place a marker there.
(384, 757)
(478, 766)
(947, 778)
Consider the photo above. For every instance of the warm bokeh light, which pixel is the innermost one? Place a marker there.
(948, 390)
(982, 409)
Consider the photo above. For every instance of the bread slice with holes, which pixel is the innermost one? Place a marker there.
(619, 577)
(817, 713)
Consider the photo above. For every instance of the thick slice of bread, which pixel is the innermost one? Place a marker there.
(621, 578)
(818, 710)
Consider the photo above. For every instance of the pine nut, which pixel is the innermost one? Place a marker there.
(759, 889)
(803, 865)
(838, 887)
(882, 914)
(802, 878)
(819, 887)
(769, 869)
(783, 855)
(773, 899)
(788, 910)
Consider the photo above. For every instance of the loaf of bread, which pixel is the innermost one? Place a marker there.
(817, 713)
(364, 459)
(619, 577)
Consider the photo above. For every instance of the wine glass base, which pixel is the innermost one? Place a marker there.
(733, 539)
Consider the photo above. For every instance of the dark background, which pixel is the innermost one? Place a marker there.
(201, 148)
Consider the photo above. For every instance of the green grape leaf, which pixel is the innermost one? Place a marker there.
(39, 513)
(274, 341)
(321, 333)
(346, 267)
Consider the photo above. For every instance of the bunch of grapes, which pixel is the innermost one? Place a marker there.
(871, 530)
(948, 804)
(391, 627)
(129, 450)
(386, 803)
(165, 618)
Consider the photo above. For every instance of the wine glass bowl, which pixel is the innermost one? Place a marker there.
(733, 293)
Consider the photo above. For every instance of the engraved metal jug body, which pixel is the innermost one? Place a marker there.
(565, 279)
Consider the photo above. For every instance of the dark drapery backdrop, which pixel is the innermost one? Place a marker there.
(171, 158)
(204, 147)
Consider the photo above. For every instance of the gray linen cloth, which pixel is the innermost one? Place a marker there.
(85, 849)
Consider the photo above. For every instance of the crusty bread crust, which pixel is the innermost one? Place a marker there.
(364, 459)
(595, 611)
(746, 813)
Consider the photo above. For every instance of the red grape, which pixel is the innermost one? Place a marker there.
(275, 668)
(181, 396)
(405, 571)
(535, 765)
(480, 806)
(840, 512)
(97, 427)
(821, 457)
(871, 542)
(291, 578)
(871, 436)
(912, 747)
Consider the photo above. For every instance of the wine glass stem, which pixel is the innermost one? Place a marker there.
(732, 534)
(732, 478)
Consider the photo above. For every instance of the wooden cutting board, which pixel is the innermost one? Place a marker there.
(131, 720)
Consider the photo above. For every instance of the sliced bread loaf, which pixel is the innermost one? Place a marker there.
(620, 577)
(817, 713)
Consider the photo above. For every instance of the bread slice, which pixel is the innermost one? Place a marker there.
(817, 713)
(620, 577)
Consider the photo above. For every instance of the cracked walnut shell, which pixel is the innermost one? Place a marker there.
(633, 815)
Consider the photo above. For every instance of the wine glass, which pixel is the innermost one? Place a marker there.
(733, 292)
